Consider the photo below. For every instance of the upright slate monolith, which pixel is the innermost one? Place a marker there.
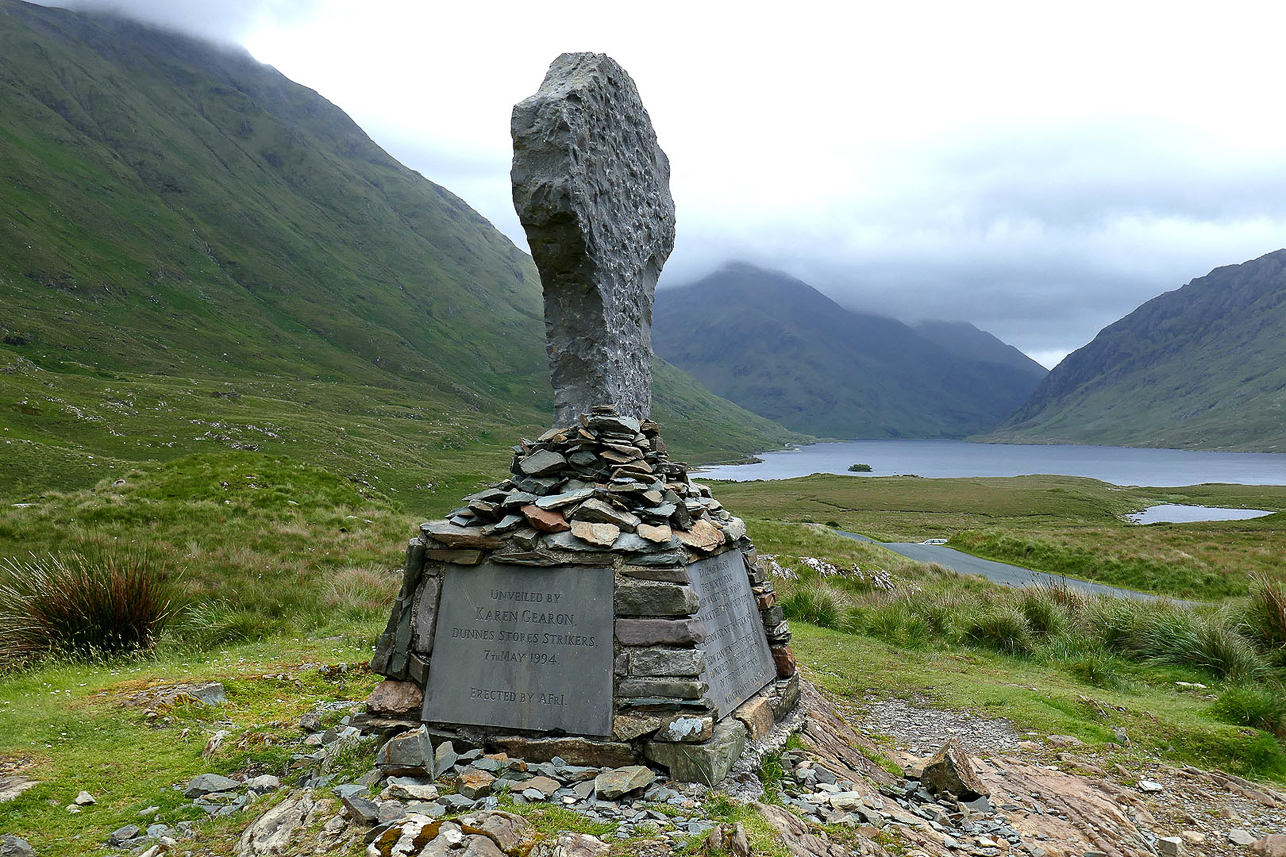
(592, 189)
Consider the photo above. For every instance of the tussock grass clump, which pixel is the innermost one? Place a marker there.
(208, 624)
(1175, 634)
(1265, 616)
(81, 606)
(1257, 706)
(816, 605)
(1046, 615)
(1002, 628)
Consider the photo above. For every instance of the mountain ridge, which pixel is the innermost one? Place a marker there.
(1202, 366)
(782, 349)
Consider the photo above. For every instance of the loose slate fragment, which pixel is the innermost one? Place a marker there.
(592, 189)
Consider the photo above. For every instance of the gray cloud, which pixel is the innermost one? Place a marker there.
(1041, 235)
(225, 21)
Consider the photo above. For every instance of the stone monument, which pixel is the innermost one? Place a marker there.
(597, 605)
(592, 189)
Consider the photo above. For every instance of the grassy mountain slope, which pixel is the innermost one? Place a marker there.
(1203, 366)
(964, 340)
(780, 348)
(197, 252)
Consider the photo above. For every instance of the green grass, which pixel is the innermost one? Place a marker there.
(71, 727)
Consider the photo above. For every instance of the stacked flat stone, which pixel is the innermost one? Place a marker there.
(604, 494)
(604, 485)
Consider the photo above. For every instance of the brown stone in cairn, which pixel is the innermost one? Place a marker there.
(659, 534)
(598, 535)
(784, 658)
(758, 717)
(702, 535)
(395, 698)
(545, 520)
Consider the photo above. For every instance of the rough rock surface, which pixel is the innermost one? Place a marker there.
(592, 189)
(949, 773)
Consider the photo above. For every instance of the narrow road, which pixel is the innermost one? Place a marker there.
(997, 572)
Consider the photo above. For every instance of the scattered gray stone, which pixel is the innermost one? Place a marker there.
(210, 692)
(362, 810)
(350, 790)
(622, 781)
(1241, 837)
(121, 835)
(263, 784)
(388, 811)
(951, 772)
(407, 754)
(207, 784)
(12, 845)
(1170, 846)
(444, 757)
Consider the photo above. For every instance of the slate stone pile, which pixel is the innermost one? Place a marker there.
(594, 490)
(604, 494)
(413, 772)
(967, 822)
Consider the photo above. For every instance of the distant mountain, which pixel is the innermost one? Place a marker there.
(1203, 366)
(778, 347)
(964, 340)
(197, 252)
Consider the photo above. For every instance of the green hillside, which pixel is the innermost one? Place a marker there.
(197, 252)
(1201, 367)
(780, 348)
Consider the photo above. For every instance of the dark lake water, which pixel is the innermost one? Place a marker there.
(954, 458)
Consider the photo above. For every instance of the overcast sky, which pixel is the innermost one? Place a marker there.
(1038, 169)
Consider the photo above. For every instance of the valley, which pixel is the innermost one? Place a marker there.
(244, 352)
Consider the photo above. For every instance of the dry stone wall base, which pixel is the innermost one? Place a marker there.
(542, 643)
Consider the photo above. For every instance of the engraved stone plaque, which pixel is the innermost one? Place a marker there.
(738, 662)
(523, 648)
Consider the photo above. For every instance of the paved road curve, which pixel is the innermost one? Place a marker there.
(998, 572)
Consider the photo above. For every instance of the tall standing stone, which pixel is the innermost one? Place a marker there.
(592, 190)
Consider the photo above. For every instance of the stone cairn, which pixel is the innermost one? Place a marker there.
(605, 495)
(597, 606)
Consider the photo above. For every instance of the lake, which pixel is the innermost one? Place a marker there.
(1171, 513)
(955, 458)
